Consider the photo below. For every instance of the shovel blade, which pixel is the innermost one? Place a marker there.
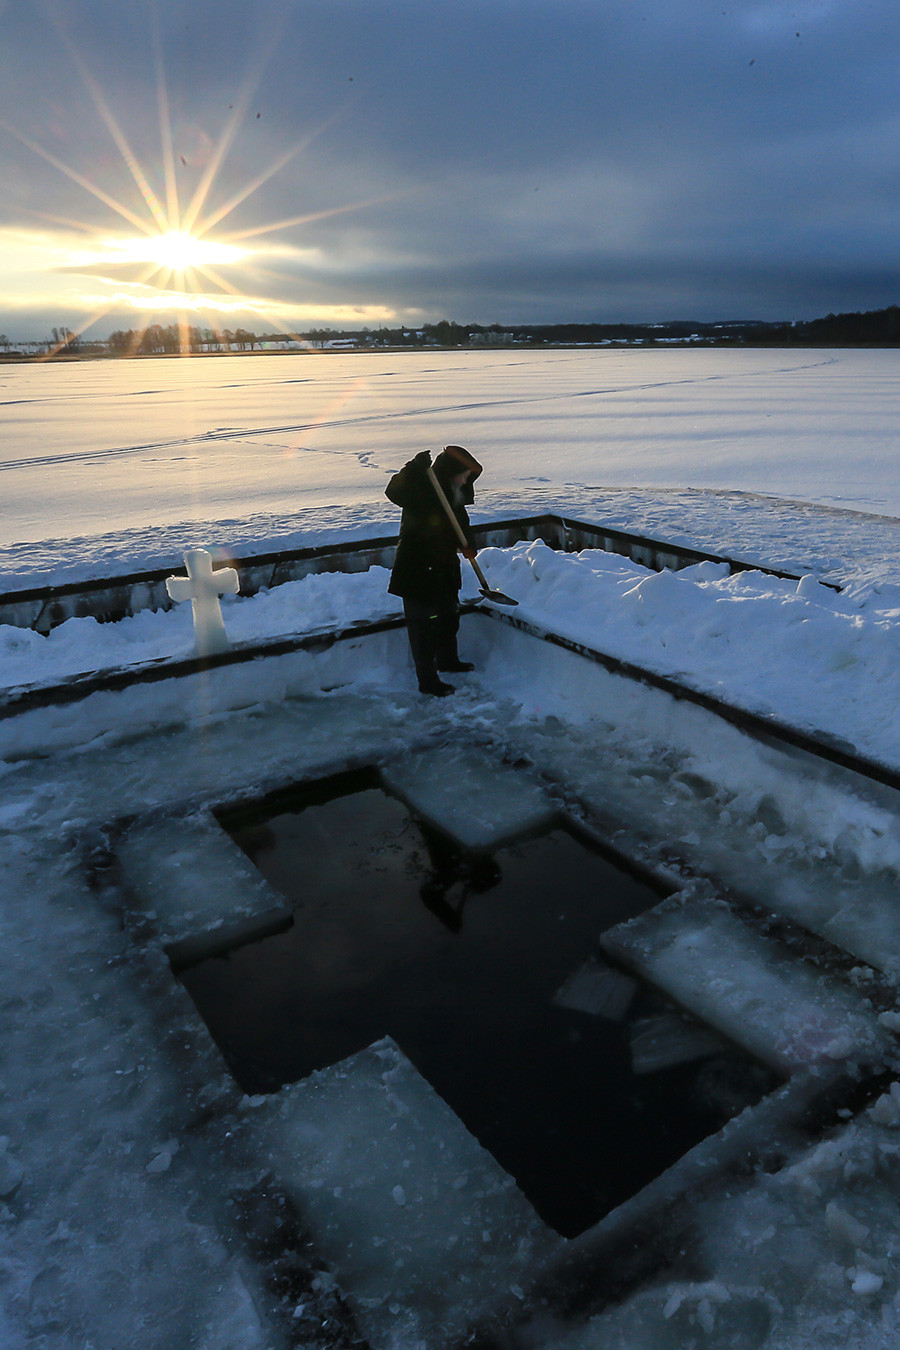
(498, 597)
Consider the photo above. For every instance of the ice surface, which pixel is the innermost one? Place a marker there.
(598, 989)
(418, 1222)
(805, 1259)
(99, 1245)
(786, 1014)
(97, 1250)
(470, 795)
(677, 770)
(187, 878)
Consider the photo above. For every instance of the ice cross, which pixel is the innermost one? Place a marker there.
(202, 586)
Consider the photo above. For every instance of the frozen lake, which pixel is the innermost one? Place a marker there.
(122, 1138)
(112, 465)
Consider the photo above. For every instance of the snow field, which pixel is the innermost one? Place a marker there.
(118, 466)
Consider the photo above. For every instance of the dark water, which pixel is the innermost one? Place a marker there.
(457, 957)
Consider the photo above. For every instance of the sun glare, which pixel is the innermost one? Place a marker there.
(176, 250)
(171, 260)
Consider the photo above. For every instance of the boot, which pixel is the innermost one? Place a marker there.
(432, 685)
(460, 667)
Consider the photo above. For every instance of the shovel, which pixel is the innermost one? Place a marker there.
(497, 596)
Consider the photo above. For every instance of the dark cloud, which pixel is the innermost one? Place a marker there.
(533, 159)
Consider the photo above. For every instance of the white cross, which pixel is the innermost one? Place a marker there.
(202, 586)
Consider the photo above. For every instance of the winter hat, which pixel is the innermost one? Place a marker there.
(455, 458)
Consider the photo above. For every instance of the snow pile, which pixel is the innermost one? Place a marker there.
(813, 657)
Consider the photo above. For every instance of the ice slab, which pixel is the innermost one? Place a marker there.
(668, 1040)
(788, 1015)
(188, 878)
(598, 989)
(419, 1224)
(463, 791)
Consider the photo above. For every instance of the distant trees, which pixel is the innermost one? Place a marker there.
(156, 340)
(64, 339)
(448, 334)
(872, 328)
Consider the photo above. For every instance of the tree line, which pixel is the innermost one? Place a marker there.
(156, 340)
(874, 328)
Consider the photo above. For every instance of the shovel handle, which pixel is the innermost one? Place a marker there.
(451, 516)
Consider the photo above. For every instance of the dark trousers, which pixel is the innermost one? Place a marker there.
(432, 633)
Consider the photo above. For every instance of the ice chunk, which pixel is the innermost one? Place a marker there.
(162, 1157)
(189, 878)
(866, 1282)
(886, 1110)
(477, 800)
(667, 1040)
(783, 1012)
(398, 1196)
(598, 989)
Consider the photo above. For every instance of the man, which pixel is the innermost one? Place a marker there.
(426, 573)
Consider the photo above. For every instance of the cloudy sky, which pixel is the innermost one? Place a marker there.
(279, 164)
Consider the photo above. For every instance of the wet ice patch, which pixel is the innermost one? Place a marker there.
(471, 796)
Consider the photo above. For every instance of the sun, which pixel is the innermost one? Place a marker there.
(176, 250)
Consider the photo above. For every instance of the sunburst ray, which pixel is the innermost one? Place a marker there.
(119, 207)
(166, 218)
(112, 125)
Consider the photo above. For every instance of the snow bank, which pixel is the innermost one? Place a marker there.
(78, 646)
(815, 658)
(797, 650)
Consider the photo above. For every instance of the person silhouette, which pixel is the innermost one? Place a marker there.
(426, 573)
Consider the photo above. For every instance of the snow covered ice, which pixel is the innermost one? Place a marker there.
(123, 1140)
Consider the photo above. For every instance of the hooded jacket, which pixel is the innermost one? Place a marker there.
(426, 567)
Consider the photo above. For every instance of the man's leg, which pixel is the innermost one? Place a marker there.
(447, 652)
(422, 622)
